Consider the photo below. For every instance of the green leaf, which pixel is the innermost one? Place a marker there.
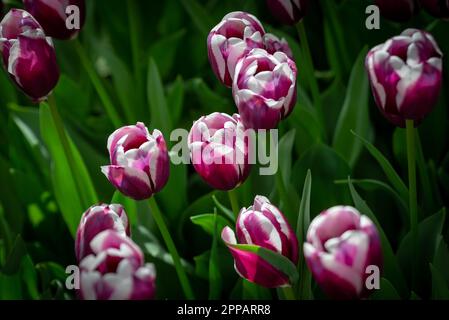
(164, 51)
(285, 155)
(440, 290)
(388, 169)
(215, 283)
(392, 270)
(441, 259)
(386, 291)
(354, 114)
(177, 184)
(227, 212)
(156, 98)
(130, 206)
(199, 15)
(207, 222)
(175, 99)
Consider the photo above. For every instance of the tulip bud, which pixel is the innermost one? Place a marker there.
(398, 10)
(405, 75)
(273, 44)
(28, 55)
(95, 220)
(115, 270)
(264, 88)
(139, 161)
(219, 150)
(230, 40)
(262, 225)
(340, 245)
(288, 11)
(437, 8)
(53, 15)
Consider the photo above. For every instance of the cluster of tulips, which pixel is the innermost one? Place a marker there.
(405, 75)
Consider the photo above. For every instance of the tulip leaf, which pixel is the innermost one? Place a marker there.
(388, 169)
(386, 291)
(207, 221)
(440, 290)
(215, 282)
(275, 259)
(392, 270)
(130, 206)
(71, 203)
(164, 51)
(199, 16)
(354, 114)
(227, 212)
(175, 99)
(285, 160)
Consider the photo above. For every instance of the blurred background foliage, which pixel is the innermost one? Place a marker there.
(150, 58)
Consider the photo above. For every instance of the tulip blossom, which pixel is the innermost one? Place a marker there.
(236, 35)
(273, 44)
(397, 10)
(288, 11)
(340, 245)
(28, 55)
(97, 219)
(54, 16)
(264, 88)
(437, 8)
(405, 75)
(262, 225)
(139, 161)
(115, 270)
(219, 150)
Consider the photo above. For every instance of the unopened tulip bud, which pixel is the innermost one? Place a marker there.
(288, 11)
(397, 10)
(437, 8)
(405, 75)
(341, 245)
(139, 161)
(262, 225)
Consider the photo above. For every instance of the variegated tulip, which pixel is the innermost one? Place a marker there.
(28, 55)
(236, 35)
(288, 11)
(341, 244)
(405, 75)
(273, 44)
(262, 225)
(437, 8)
(96, 219)
(139, 161)
(219, 149)
(115, 270)
(398, 10)
(55, 16)
(264, 88)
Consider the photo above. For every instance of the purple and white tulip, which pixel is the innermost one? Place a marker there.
(219, 150)
(398, 10)
(264, 88)
(262, 225)
(96, 219)
(273, 44)
(341, 244)
(140, 163)
(288, 11)
(437, 8)
(53, 15)
(115, 270)
(28, 54)
(236, 35)
(405, 75)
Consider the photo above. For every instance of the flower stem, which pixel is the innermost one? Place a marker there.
(185, 284)
(99, 87)
(233, 199)
(289, 294)
(413, 202)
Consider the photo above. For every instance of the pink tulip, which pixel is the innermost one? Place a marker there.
(262, 225)
(398, 10)
(340, 245)
(437, 8)
(273, 44)
(288, 11)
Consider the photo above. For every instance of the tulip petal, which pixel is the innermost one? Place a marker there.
(131, 182)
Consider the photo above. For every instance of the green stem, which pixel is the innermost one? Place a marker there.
(185, 284)
(98, 85)
(233, 199)
(133, 17)
(413, 201)
(67, 148)
(289, 294)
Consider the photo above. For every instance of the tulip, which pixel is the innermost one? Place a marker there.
(398, 10)
(53, 15)
(273, 44)
(288, 11)
(405, 75)
(28, 55)
(95, 220)
(115, 270)
(264, 88)
(139, 161)
(219, 150)
(437, 8)
(340, 245)
(262, 225)
(230, 40)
